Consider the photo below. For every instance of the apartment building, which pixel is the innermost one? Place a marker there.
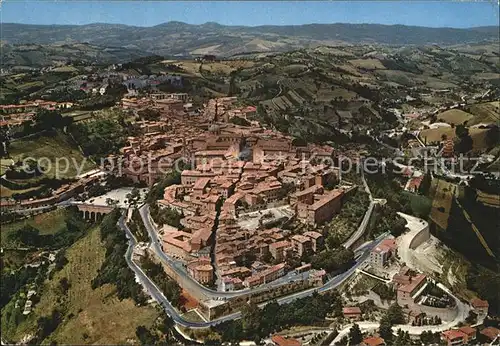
(301, 244)
(317, 240)
(381, 254)
(279, 249)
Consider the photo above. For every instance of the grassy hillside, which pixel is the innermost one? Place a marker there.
(89, 316)
(454, 116)
(46, 223)
(52, 148)
(434, 135)
(35, 55)
(485, 113)
(213, 38)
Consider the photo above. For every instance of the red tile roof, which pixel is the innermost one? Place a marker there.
(491, 332)
(468, 330)
(281, 341)
(415, 282)
(479, 303)
(454, 334)
(373, 341)
(280, 244)
(349, 310)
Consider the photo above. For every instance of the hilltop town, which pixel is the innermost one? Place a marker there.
(326, 196)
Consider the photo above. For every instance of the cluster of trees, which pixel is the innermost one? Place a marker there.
(387, 186)
(394, 315)
(48, 120)
(355, 336)
(166, 216)
(40, 192)
(385, 292)
(101, 137)
(433, 320)
(184, 87)
(114, 269)
(239, 121)
(46, 325)
(137, 227)
(430, 338)
(161, 333)
(464, 140)
(329, 339)
(402, 338)
(149, 114)
(12, 281)
(52, 183)
(285, 190)
(16, 171)
(387, 219)
(98, 102)
(12, 285)
(156, 192)
(66, 95)
(141, 63)
(433, 290)
(350, 216)
(486, 283)
(112, 182)
(256, 324)
(169, 287)
(44, 186)
(7, 216)
(29, 236)
(333, 260)
(114, 92)
(44, 120)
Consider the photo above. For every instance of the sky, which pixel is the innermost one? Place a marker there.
(454, 14)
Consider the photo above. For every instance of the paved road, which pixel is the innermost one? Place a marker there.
(278, 94)
(366, 218)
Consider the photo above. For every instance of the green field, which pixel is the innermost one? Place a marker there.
(368, 64)
(454, 116)
(434, 135)
(51, 151)
(487, 112)
(7, 193)
(89, 316)
(65, 69)
(192, 316)
(4, 165)
(30, 85)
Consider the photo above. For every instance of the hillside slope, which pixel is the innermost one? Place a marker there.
(181, 38)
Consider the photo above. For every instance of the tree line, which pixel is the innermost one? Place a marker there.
(257, 324)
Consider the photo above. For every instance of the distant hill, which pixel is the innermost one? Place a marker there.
(177, 38)
(40, 55)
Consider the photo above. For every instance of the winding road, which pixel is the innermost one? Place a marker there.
(366, 218)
